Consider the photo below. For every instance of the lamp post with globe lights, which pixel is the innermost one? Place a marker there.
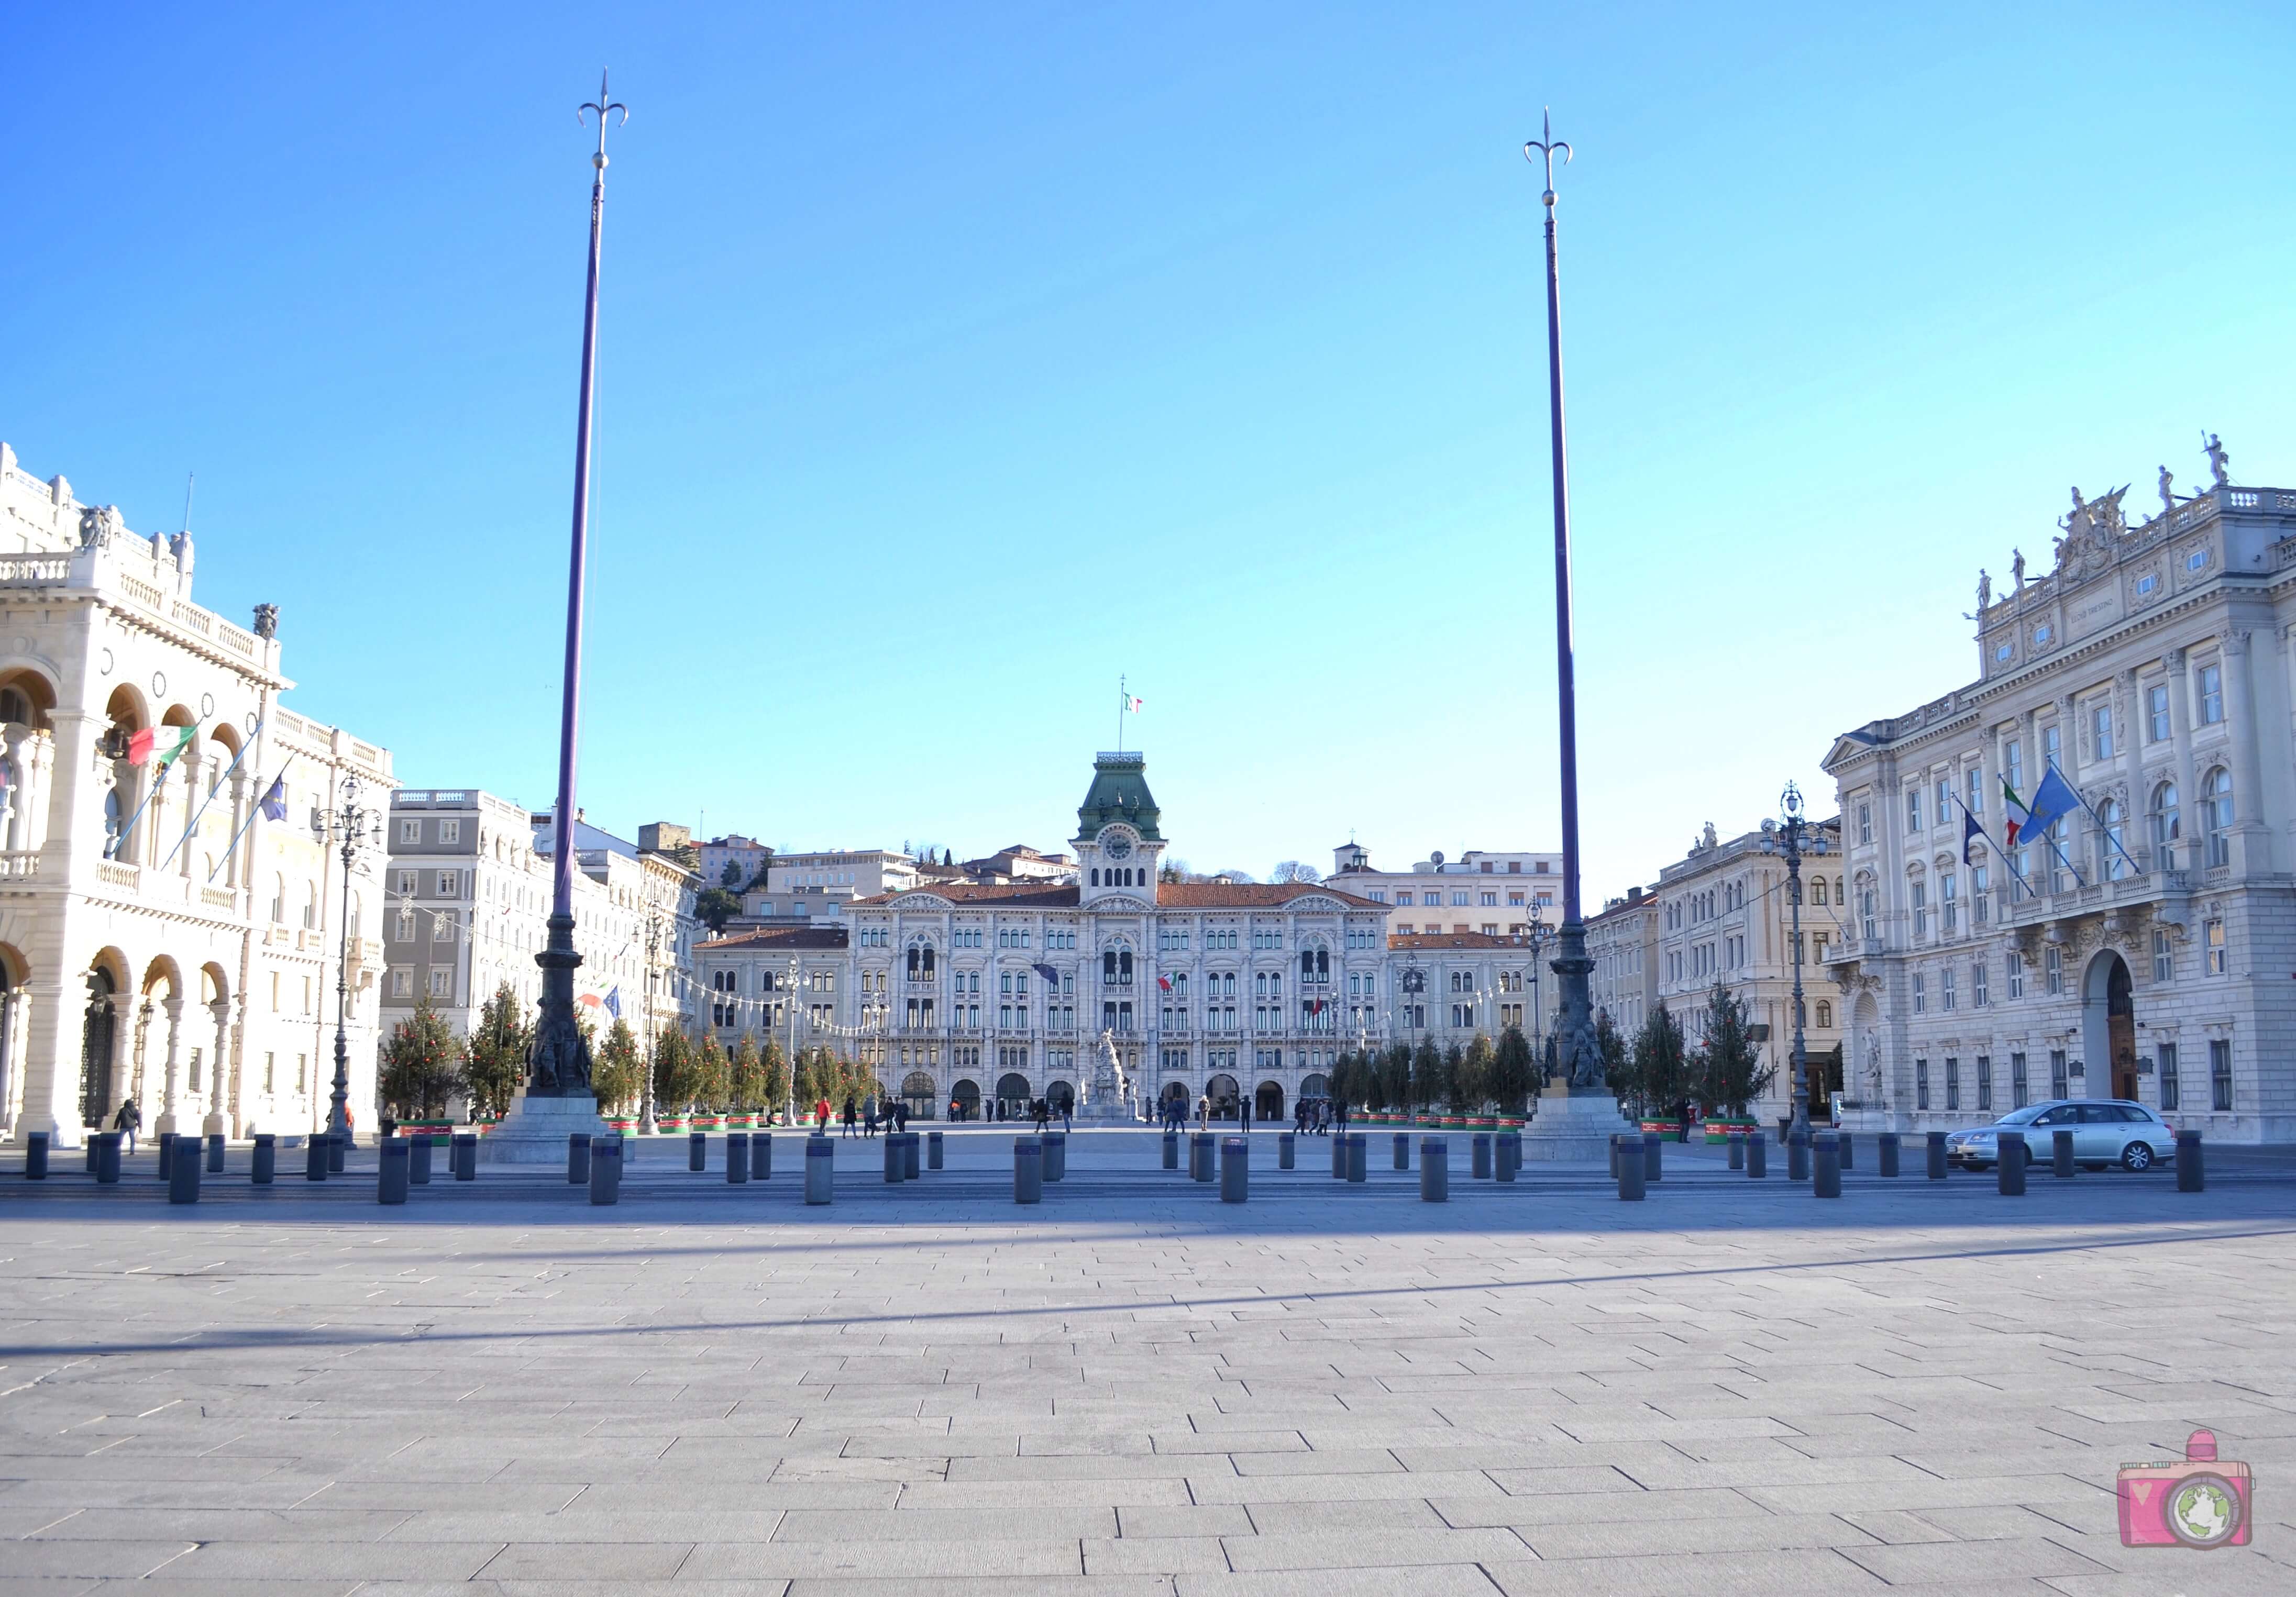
(1794, 837)
(349, 826)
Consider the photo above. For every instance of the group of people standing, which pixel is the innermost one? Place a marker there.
(865, 1115)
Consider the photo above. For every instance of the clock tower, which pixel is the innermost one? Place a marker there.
(1117, 846)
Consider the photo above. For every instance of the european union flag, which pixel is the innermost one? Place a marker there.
(614, 1003)
(274, 801)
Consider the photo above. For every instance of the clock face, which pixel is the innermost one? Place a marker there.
(1117, 847)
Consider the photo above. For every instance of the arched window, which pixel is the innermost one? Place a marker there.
(2111, 840)
(14, 707)
(1095, 877)
(310, 906)
(1868, 908)
(279, 900)
(2216, 814)
(2165, 826)
(1824, 1014)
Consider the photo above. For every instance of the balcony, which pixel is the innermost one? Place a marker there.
(2168, 891)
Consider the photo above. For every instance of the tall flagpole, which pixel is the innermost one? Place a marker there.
(558, 1065)
(1576, 1054)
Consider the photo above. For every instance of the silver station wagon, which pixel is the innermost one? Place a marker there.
(2106, 1131)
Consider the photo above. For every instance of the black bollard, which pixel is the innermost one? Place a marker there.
(1826, 1165)
(215, 1153)
(464, 1150)
(1653, 1145)
(167, 1153)
(1758, 1157)
(761, 1156)
(1235, 1169)
(895, 1165)
(578, 1158)
(1434, 1170)
(1199, 1156)
(1937, 1155)
(1847, 1144)
(1171, 1151)
(1028, 1170)
(932, 1150)
(1888, 1144)
(1798, 1154)
(737, 1158)
(606, 1169)
(1403, 1150)
(418, 1159)
(184, 1176)
(1358, 1155)
(337, 1143)
(2192, 1170)
(391, 1170)
(107, 1158)
(87, 1150)
(1283, 1150)
(1614, 1153)
(820, 1168)
(315, 1157)
(1339, 1156)
(2060, 1153)
(910, 1155)
(2010, 1167)
(1633, 1172)
(1057, 1155)
(1478, 1157)
(1506, 1154)
(35, 1157)
(697, 1150)
(1737, 1150)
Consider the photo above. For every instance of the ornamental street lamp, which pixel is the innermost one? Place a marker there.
(1576, 1054)
(647, 1125)
(1788, 838)
(352, 823)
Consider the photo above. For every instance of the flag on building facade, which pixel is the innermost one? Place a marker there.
(2053, 798)
(1051, 977)
(275, 799)
(1970, 832)
(614, 1003)
(2015, 808)
(1164, 982)
(159, 745)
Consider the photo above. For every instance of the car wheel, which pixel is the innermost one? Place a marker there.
(2136, 1156)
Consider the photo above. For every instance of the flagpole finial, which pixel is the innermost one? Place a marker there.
(1546, 145)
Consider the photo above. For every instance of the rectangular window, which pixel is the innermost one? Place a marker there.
(2164, 957)
(270, 1072)
(1945, 992)
(406, 887)
(450, 832)
(2156, 714)
(1952, 1083)
(2052, 747)
(1920, 909)
(2220, 1073)
(1981, 890)
(1921, 1084)
(450, 884)
(2212, 696)
(1490, 900)
(1978, 996)
(2059, 1080)
(410, 831)
(442, 926)
(2171, 1089)
(2013, 766)
(2212, 946)
(2100, 720)
(1920, 999)
(1949, 901)
(1913, 809)
(1985, 1083)
(442, 982)
(1976, 799)
(2014, 969)
(1944, 798)
(402, 984)
(1864, 822)
(1403, 897)
(2053, 966)
(2018, 1097)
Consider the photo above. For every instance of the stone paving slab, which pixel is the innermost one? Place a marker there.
(1133, 1389)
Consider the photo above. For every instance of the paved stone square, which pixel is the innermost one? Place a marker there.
(1132, 1388)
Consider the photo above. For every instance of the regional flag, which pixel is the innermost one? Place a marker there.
(2053, 799)
(160, 745)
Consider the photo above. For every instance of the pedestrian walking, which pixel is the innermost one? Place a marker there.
(1043, 1116)
(851, 1114)
(821, 1112)
(1068, 1109)
(869, 1118)
(128, 1121)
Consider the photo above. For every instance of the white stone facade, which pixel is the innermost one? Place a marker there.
(1623, 941)
(2156, 666)
(184, 952)
(1489, 892)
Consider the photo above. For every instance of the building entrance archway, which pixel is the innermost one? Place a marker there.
(1061, 1098)
(1224, 1096)
(1011, 1095)
(920, 1094)
(965, 1095)
(1267, 1101)
(98, 1038)
(2109, 1027)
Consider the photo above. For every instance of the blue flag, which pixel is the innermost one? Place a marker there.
(1051, 977)
(1970, 832)
(614, 1003)
(2053, 800)
(274, 801)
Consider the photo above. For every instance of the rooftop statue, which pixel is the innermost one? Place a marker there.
(1984, 590)
(2017, 568)
(2167, 491)
(2218, 460)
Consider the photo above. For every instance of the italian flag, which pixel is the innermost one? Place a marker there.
(159, 745)
(2015, 808)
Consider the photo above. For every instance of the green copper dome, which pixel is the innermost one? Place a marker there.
(1120, 792)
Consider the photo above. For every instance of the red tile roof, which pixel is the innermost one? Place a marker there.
(1171, 895)
(783, 938)
(1455, 939)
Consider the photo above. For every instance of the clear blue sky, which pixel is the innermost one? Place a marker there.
(958, 359)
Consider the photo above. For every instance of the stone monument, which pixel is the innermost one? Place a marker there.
(1107, 1099)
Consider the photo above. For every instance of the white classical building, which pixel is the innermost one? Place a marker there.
(974, 992)
(1483, 892)
(469, 888)
(2147, 954)
(1623, 941)
(162, 936)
